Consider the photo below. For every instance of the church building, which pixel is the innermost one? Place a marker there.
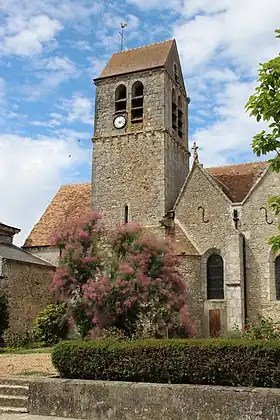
(219, 217)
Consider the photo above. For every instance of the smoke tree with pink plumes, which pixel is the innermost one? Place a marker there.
(127, 280)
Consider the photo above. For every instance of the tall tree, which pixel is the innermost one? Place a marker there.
(264, 105)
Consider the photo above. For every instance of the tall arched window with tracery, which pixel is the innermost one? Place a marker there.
(215, 277)
(120, 99)
(137, 102)
(277, 277)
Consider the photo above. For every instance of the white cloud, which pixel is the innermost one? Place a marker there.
(81, 110)
(231, 134)
(27, 27)
(58, 64)
(81, 45)
(155, 4)
(28, 181)
(221, 44)
(2, 90)
(26, 37)
(52, 72)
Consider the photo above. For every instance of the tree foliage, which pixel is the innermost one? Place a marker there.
(264, 105)
(51, 324)
(130, 283)
(80, 260)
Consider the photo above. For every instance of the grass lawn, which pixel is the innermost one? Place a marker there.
(25, 351)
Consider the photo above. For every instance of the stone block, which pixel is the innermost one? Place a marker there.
(98, 400)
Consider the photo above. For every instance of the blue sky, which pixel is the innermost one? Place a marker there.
(50, 51)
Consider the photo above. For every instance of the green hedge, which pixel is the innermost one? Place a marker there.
(216, 362)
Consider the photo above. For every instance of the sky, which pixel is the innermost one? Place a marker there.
(50, 51)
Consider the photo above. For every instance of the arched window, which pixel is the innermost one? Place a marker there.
(137, 102)
(180, 117)
(175, 72)
(215, 277)
(120, 99)
(277, 277)
(126, 214)
(174, 110)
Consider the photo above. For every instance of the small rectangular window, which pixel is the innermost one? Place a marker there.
(126, 214)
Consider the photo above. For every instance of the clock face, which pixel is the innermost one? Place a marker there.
(120, 121)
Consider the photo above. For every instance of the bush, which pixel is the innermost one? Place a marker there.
(213, 362)
(260, 328)
(51, 324)
(130, 283)
(4, 312)
(20, 340)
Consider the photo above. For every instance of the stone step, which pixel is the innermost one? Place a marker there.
(13, 410)
(14, 381)
(13, 401)
(21, 390)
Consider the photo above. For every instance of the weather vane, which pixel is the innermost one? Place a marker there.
(123, 25)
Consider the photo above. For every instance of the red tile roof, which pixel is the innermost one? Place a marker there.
(237, 180)
(71, 201)
(74, 200)
(138, 59)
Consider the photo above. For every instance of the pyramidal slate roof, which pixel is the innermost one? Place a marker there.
(138, 59)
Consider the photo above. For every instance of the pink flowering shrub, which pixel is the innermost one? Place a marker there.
(80, 260)
(136, 288)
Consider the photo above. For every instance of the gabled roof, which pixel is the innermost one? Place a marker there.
(71, 201)
(237, 180)
(234, 181)
(138, 59)
(12, 252)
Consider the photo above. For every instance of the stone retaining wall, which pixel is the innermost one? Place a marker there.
(98, 400)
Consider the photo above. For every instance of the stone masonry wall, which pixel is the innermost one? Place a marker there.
(47, 253)
(259, 257)
(176, 148)
(190, 269)
(218, 235)
(28, 289)
(128, 170)
(154, 101)
(142, 165)
(176, 169)
(98, 400)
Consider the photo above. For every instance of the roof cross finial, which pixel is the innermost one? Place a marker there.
(195, 153)
(123, 25)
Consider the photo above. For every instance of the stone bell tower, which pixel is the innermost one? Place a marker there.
(140, 144)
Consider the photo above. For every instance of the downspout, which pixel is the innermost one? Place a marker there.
(245, 279)
(236, 224)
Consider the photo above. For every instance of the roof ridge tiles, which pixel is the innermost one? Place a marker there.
(145, 46)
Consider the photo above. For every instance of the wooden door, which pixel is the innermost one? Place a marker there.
(215, 322)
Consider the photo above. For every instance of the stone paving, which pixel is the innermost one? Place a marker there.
(28, 417)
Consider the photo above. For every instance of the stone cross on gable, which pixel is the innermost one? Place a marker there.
(195, 153)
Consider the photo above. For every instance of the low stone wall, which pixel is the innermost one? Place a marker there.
(98, 400)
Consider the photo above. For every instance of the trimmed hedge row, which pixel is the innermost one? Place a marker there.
(215, 362)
